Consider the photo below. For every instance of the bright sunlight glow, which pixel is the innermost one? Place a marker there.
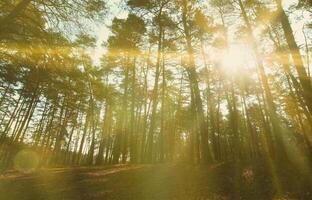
(236, 58)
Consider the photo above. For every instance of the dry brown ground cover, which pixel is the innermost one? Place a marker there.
(161, 182)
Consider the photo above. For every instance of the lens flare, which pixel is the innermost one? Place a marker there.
(26, 161)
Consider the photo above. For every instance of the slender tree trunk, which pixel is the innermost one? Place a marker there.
(85, 130)
(296, 56)
(133, 148)
(162, 117)
(271, 108)
(205, 154)
(150, 139)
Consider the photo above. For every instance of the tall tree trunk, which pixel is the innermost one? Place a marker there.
(205, 154)
(162, 117)
(133, 148)
(271, 108)
(84, 134)
(150, 139)
(304, 79)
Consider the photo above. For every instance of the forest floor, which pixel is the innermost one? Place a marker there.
(155, 182)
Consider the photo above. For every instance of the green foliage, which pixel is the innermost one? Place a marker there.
(127, 33)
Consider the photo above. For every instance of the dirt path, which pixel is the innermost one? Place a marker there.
(153, 182)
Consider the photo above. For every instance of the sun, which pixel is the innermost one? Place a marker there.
(236, 58)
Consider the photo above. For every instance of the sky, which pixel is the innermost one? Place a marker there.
(115, 10)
